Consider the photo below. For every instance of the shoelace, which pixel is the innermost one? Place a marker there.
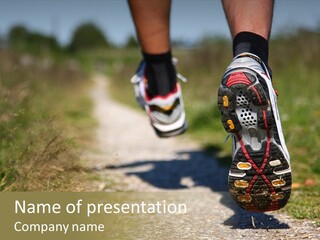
(179, 76)
(227, 138)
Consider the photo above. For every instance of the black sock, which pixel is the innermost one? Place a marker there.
(160, 73)
(252, 43)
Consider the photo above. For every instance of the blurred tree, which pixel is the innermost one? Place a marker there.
(2, 42)
(21, 39)
(88, 36)
(131, 42)
(18, 37)
(39, 43)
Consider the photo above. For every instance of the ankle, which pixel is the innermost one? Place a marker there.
(251, 43)
(160, 73)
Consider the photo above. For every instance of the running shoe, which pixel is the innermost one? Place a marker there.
(260, 173)
(166, 113)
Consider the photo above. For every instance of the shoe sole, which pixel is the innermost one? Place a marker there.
(260, 175)
(172, 133)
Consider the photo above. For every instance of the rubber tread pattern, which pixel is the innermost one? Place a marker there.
(260, 195)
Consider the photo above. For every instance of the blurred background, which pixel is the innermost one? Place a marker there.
(50, 48)
(191, 20)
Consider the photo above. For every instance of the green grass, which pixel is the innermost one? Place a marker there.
(305, 204)
(43, 107)
(295, 62)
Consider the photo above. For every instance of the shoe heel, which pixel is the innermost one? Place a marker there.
(235, 92)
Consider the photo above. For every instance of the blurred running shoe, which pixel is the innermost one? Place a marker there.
(166, 113)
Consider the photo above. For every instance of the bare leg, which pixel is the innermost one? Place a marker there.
(156, 78)
(152, 22)
(249, 16)
(250, 23)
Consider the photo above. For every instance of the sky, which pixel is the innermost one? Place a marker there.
(190, 19)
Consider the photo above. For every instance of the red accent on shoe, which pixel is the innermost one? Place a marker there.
(259, 171)
(257, 94)
(148, 98)
(238, 78)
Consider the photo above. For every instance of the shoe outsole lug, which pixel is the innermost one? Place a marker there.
(244, 166)
(258, 187)
(276, 196)
(241, 184)
(225, 101)
(173, 133)
(275, 163)
(278, 182)
(244, 198)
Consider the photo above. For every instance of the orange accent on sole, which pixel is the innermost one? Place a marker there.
(276, 196)
(225, 101)
(278, 183)
(230, 124)
(244, 165)
(244, 198)
(241, 184)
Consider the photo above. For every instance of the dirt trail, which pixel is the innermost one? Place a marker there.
(128, 152)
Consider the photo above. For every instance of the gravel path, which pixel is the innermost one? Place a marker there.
(128, 152)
